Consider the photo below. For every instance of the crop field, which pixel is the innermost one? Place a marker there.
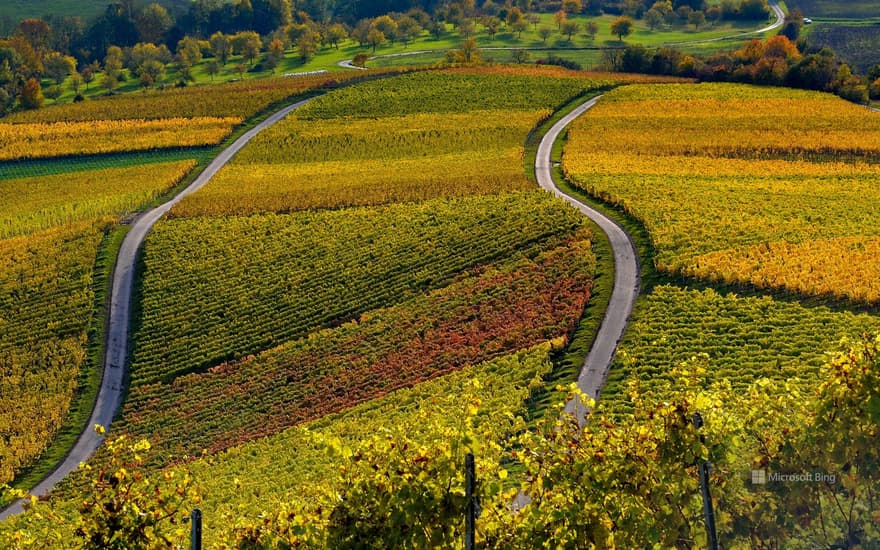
(740, 185)
(246, 188)
(237, 100)
(36, 203)
(24, 141)
(735, 338)
(857, 44)
(325, 157)
(514, 303)
(850, 9)
(293, 274)
(45, 309)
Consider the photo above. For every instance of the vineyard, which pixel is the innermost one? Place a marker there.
(45, 310)
(237, 100)
(372, 288)
(736, 338)
(511, 304)
(22, 141)
(67, 175)
(202, 306)
(740, 185)
(44, 202)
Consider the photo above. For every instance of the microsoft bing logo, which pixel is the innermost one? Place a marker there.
(759, 477)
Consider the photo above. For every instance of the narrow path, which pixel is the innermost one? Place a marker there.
(626, 272)
(116, 358)
(777, 11)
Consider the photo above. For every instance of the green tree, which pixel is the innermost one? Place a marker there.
(572, 6)
(590, 29)
(375, 38)
(622, 26)
(307, 46)
(221, 47)
(387, 26)
(58, 67)
(545, 33)
(152, 23)
(569, 28)
(336, 33)
(697, 19)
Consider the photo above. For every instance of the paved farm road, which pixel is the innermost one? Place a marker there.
(115, 361)
(626, 272)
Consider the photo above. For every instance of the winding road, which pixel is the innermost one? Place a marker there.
(626, 272)
(116, 358)
(590, 381)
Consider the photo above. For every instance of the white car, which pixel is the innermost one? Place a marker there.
(807, 20)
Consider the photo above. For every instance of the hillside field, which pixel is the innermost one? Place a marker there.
(373, 287)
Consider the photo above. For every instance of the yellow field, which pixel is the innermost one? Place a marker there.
(45, 309)
(32, 204)
(23, 141)
(741, 184)
(343, 162)
(246, 189)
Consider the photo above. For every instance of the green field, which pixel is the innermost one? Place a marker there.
(849, 9)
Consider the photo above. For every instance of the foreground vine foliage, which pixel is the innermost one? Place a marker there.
(609, 485)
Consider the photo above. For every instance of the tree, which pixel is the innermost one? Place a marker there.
(336, 33)
(519, 27)
(76, 82)
(559, 18)
(112, 68)
(493, 24)
(241, 68)
(88, 75)
(387, 26)
(654, 18)
(545, 33)
(533, 19)
(152, 23)
(622, 26)
(212, 67)
(361, 31)
(697, 19)
(572, 6)
(569, 28)
(360, 60)
(275, 54)
(53, 92)
(514, 16)
(307, 47)
(58, 67)
(408, 29)
(151, 73)
(36, 33)
(251, 47)
(466, 28)
(31, 96)
(437, 29)
(221, 47)
(375, 38)
(590, 29)
(520, 55)
(189, 53)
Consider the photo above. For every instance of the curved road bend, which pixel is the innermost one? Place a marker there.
(115, 360)
(626, 273)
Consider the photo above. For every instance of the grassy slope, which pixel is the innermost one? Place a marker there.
(582, 49)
